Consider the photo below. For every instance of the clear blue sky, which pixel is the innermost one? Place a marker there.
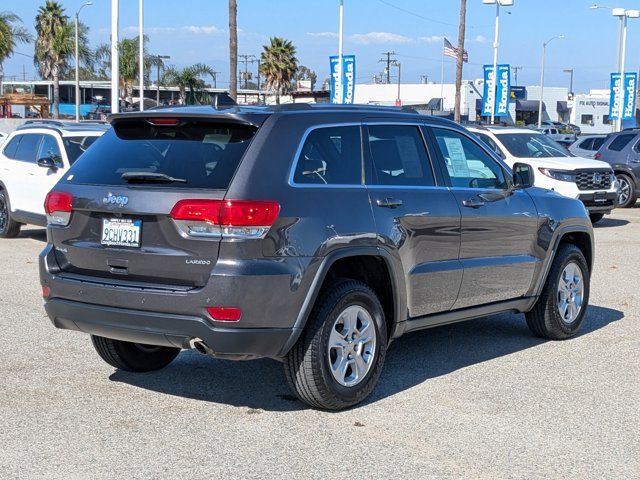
(196, 31)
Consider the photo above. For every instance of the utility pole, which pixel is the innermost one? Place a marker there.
(460, 59)
(515, 73)
(424, 79)
(389, 61)
(246, 75)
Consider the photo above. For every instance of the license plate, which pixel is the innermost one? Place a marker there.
(121, 232)
(600, 197)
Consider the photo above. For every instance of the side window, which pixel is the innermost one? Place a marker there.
(621, 141)
(27, 150)
(586, 144)
(11, 147)
(597, 142)
(490, 143)
(331, 156)
(468, 165)
(399, 156)
(49, 148)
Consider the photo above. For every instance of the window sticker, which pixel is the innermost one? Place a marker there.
(457, 157)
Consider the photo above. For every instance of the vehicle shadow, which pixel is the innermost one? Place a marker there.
(611, 222)
(413, 359)
(39, 234)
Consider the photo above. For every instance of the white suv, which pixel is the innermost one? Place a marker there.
(591, 181)
(32, 160)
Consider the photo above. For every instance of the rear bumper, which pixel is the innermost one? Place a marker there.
(169, 330)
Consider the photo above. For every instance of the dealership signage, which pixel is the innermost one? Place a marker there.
(348, 79)
(501, 99)
(627, 108)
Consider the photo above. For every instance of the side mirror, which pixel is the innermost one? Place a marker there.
(47, 162)
(523, 175)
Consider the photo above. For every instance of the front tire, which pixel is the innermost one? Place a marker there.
(560, 309)
(133, 357)
(9, 228)
(627, 193)
(596, 217)
(339, 357)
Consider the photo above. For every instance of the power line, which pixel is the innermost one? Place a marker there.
(428, 19)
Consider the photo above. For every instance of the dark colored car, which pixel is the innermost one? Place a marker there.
(315, 235)
(622, 151)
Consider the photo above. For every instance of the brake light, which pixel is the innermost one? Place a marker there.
(230, 218)
(225, 314)
(163, 121)
(597, 156)
(58, 207)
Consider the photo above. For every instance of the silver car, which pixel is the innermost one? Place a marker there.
(587, 146)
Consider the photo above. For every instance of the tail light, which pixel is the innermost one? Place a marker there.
(597, 156)
(57, 206)
(225, 218)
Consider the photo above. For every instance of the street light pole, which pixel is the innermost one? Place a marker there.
(339, 87)
(86, 4)
(544, 51)
(141, 51)
(115, 59)
(494, 83)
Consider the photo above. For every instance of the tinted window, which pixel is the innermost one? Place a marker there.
(399, 156)
(621, 141)
(597, 143)
(10, 150)
(586, 144)
(27, 150)
(531, 145)
(76, 146)
(205, 154)
(490, 143)
(49, 148)
(468, 165)
(331, 155)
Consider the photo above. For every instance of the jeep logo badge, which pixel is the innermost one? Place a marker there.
(111, 199)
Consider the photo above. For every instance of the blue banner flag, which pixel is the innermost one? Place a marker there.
(502, 91)
(348, 78)
(630, 87)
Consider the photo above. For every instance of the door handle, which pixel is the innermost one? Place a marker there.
(389, 202)
(473, 202)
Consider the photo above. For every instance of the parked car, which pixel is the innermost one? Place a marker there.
(32, 159)
(622, 151)
(574, 128)
(314, 235)
(587, 146)
(591, 181)
(557, 135)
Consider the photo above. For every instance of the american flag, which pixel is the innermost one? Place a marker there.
(451, 51)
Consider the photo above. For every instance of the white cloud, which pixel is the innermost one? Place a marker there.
(323, 34)
(480, 39)
(193, 29)
(203, 29)
(431, 39)
(372, 38)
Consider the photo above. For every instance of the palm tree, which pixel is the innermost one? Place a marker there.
(10, 35)
(460, 58)
(54, 46)
(233, 49)
(188, 79)
(305, 73)
(128, 59)
(278, 63)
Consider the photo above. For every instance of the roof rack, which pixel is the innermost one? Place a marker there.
(47, 121)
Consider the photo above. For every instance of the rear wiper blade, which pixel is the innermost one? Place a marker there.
(150, 177)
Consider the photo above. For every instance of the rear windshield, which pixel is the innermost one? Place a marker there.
(202, 154)
(76, 146)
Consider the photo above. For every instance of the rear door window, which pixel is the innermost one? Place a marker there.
(586, 144)
(620, 142)
(597, 143)
(399, 156)
(199, 154)
(27, 150)
(330, 156)
(49, 149)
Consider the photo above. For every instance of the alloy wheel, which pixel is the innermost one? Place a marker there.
(624, 191)
(570, 292)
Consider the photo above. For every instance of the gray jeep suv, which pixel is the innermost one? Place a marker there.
(622, 151)
(314, 235)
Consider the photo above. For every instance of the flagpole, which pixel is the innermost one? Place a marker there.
(442, 78)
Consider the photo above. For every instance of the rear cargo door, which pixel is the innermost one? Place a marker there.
(124, 188)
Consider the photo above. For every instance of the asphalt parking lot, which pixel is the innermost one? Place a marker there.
(483, 399)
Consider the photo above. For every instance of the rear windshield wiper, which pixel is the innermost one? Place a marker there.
(150, 177)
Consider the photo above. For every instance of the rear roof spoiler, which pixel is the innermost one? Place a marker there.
(229, 115)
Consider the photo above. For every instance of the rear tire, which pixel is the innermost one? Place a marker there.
(596, 217)
(133, 357)
(627, 196)
(560, 309)
(339, 356)
(9, 228)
